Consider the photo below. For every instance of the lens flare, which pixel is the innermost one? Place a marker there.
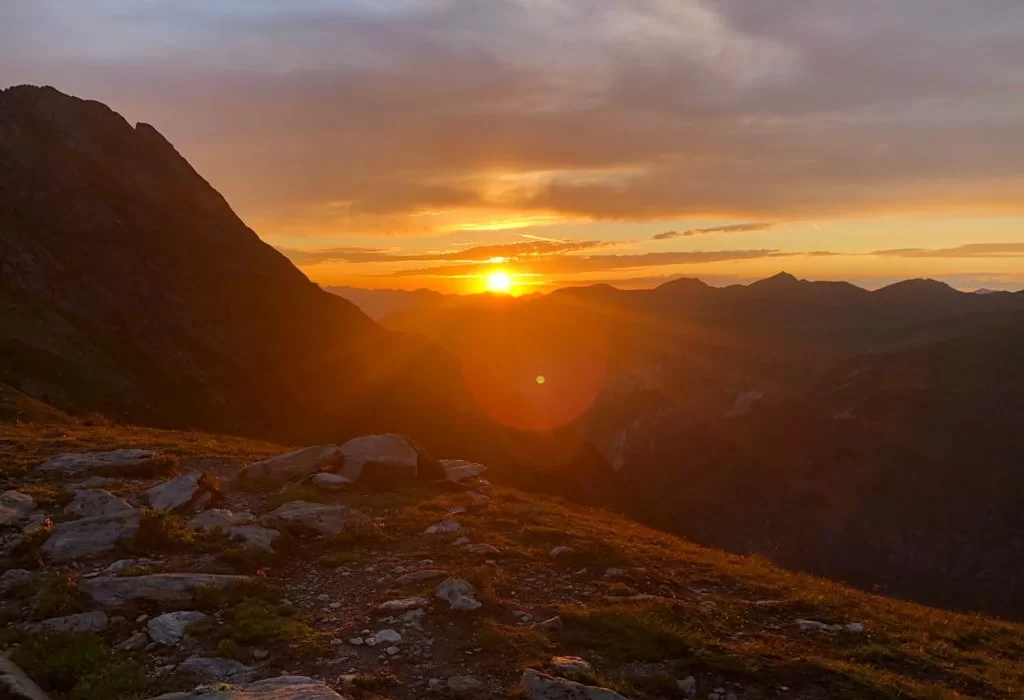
(500, 282)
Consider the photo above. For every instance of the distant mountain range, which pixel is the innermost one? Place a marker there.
(872, 436)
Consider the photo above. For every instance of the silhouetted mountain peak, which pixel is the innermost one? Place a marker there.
(920, 288)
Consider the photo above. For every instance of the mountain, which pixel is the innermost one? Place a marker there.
(525, 581)
(129, 287)
(863, 435)
(381, 303)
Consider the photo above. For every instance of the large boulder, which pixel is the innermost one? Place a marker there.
(89, 504)
(294, 465)
(15, 507)
(305, 517)
(217, 518)
(155, 588)
(77, 462)
(88, 536)
(458, 593)
(15, 685)
(253, 536)
(458, 470)
(280, 688)
(391, 456)
(540, 686)
(178, 493)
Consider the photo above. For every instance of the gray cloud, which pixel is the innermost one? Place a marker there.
(734, 228)
(352, 115)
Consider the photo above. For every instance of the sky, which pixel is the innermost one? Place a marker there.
(429, 143)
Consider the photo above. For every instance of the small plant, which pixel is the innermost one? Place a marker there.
(79, 666)
(28, 552)
(213, 598)
(162, 532)
(522, 645)
(258, 621)
(623, 633)
(58, 595)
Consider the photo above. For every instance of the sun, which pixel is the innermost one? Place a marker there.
(500, 282)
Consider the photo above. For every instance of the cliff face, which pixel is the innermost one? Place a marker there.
(130, 287)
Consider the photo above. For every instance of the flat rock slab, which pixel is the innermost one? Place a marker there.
(169, 628)
(540, 686)
(15, 685)
(393, 453)
(460, 470)
(302, 516)
(281, 688)
(89, 536)
(294, 465)
(89, 504)
(175, 494)
(253, 536)
(78, 462)
(15, 507)
(92, 621)
(213, 669)
(330, 482)
(210, 520)
(156, 588)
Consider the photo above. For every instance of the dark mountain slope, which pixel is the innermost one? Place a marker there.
(130, 287)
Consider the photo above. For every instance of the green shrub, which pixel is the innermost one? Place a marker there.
(79, 666)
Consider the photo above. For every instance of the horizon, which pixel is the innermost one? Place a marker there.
(436, 144)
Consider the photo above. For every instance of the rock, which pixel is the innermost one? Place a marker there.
(688, 686)
(15, 685)
(88, 536)
(89, 504)
(331, 482)
(560, 552)
(460, 594)
(280, 688)
(477, 499)
(95, 482)
(552, 623)
(460, 470)
(420, 576)
(210, 520)
(814, 625)
(13, 579)
(384, 637)
(443, 527)
(464, 685)
(356, 641)
(294, 465)
(393, 651)
(573, 667)
(121, 564)
(394, 454)
(212, 669)
(92, 621)
(540, 686)
(169, 628)
(434, 685)
(460, 542)
(176, 494)
(482, 548)
(15, 507)
(402, 604)
(302, 516)
(156, 588)
(77, 462)
(254, 536)
(134, 642)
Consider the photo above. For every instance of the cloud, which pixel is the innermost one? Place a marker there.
(387, 117)
(574, 264)
(734, 228)
(535, 247)
(969, 250)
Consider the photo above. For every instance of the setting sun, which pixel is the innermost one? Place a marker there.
(500, 282)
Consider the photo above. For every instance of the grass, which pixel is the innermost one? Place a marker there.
(78, 666)
(58, 595)
(163, 532)
(255, 621)
(636, 632)
(27, 553)
(521, 646)
(371, 686)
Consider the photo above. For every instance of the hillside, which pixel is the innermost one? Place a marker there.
(651, 615)
(129, 287)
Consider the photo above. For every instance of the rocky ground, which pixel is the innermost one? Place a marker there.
(143, 562)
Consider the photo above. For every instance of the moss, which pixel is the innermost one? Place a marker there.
(213, 598)
(233, 650)
(369, 686)
(78, 666)
(48, 495)
(246, 560)
(254, 620)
